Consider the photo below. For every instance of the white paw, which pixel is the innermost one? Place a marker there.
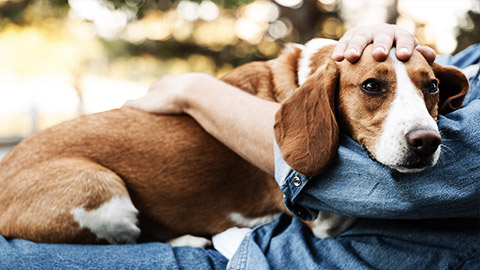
(115, 220)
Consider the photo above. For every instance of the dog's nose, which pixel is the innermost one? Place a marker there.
(423, 142)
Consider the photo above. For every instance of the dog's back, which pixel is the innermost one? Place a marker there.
(96, 162)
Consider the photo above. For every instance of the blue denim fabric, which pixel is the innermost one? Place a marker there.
(22, 254)
(369, 244)
(401, 239)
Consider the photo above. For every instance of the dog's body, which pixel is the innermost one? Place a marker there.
(83, 181)
(165, 164)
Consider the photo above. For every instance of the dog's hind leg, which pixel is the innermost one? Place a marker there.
(67, 201)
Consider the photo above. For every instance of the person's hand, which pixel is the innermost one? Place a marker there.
(165, 96)
(383, 37)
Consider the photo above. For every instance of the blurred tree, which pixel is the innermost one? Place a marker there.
(309, 18)
(468, 31)
(25, 12)
(307, 21)
(392, 13)
(12, 10)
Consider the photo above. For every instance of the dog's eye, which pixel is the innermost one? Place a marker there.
(432, 87)
(371, 86)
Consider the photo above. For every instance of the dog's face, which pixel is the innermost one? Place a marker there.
(389, 107)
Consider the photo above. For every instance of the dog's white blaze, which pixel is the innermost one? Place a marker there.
(114, 221)
(243, 221)
(309, 50)
(407, 112)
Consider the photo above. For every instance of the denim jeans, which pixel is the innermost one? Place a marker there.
(22, 254)
(426, 220)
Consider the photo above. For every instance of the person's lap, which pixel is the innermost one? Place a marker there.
(23, 254)
(287, 242)
(368, 244)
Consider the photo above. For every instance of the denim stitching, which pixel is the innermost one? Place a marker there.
(239, 260)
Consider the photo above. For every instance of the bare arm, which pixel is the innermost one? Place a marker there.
(242, 122)
(246, 122)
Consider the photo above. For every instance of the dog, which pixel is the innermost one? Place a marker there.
(126, 176)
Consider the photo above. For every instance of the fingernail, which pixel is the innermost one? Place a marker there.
(380, 50)
(336, 55)
(353, 51)
(404, 50)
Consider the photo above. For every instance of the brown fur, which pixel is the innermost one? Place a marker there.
(284, 70)
(452, 89)
(305, 126)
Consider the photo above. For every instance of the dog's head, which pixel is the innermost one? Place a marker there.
(389, 107)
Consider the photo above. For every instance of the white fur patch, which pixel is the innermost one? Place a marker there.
(243, 221)
(407, 112)
(114, 221)
(309, 50)
(189, 240)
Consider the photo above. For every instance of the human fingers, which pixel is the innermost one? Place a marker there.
(144, 103)
(153, 104)
(383, 40)
(405, 44)
(339, 50)
(162, 97)
(427, 52)
(346, 49)
(359, 40)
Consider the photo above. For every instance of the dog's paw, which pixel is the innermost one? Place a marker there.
(115, 220)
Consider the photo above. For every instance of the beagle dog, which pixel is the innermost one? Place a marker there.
(124, 176)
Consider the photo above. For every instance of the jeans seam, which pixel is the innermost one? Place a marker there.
(239, 261)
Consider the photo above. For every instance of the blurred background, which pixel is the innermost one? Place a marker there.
(63, 58)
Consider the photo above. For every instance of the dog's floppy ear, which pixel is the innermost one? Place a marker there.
(305, 126)
(453, 87)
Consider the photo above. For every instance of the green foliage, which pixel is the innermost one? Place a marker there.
(24, 12)
(143, 5)
(230, 4)
(468, 31)
(12, 11)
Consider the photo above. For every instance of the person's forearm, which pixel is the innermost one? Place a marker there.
(239, 120)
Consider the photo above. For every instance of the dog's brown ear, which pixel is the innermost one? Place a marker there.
(453, 87)
(305, 126)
